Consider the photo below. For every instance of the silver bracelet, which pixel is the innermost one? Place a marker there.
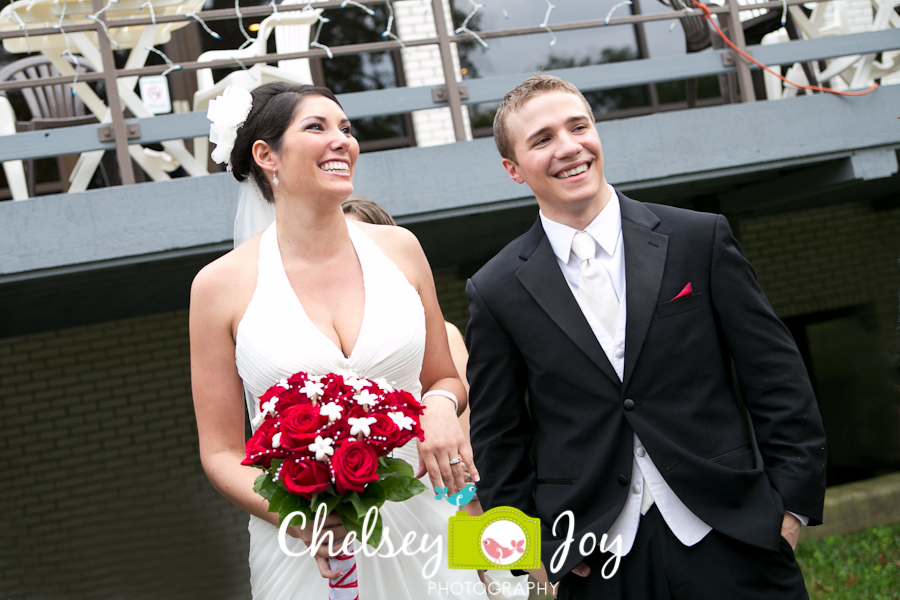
(445, 394)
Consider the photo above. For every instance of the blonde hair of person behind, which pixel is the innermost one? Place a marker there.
(367, 211)
(516, 98)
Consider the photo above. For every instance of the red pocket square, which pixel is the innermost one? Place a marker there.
(687, 291)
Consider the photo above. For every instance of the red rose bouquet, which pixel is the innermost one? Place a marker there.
(326, 440)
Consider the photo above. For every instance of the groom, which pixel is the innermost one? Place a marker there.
(601, 347)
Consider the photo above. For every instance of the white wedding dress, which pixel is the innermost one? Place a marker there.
(275, 339)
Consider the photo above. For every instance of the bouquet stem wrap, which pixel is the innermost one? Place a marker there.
(344, 587)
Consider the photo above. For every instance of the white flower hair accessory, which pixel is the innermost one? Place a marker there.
(227, 113)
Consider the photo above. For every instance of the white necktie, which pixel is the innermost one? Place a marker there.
(594, 286)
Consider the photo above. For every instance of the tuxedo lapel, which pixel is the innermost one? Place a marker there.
(645, 261)
(543, 279)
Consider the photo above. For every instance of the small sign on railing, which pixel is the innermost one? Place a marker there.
(155, 94)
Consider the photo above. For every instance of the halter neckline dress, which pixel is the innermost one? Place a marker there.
(275, 339)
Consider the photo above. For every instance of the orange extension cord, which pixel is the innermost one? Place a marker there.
(814, 88)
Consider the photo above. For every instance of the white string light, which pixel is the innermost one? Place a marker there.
(545, 24)
(358, 5)
(68, 53)
(464, 27)
(149, 4)
(197, 18)
(96, 18)
(68, 50)
(613, 9)
(387, 30)
(783, 12)
(247, 39)
(172, 66)
(244, 67)
(14, 16)
(275, 11)
(685, 8)
(97, 14)
(505, 14)
(322, 20)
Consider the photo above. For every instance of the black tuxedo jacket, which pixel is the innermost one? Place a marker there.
(552, 424)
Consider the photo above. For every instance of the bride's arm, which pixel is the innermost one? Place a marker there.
(217, 387)
(219, 296)
(444, 437)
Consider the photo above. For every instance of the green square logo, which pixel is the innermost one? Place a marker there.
(502, 538)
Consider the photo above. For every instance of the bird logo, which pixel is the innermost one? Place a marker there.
(499, 553)
(460, 498)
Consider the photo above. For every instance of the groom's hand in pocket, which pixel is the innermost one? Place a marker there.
(790, 529)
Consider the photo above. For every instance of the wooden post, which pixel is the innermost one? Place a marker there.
(437, 7)
(126, 172)
(743, 67)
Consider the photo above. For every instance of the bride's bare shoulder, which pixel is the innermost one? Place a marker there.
(402, 247)
(231, 278)
(391, 239)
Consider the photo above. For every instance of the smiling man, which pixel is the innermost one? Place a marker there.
(619, 322)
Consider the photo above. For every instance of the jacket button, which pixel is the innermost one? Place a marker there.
(628, 404)
(623, 481)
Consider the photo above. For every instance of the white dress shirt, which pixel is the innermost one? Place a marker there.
(647, 484)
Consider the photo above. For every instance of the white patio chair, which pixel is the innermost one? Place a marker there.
(847, 72)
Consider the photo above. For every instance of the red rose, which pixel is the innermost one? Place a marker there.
(300, 424)
(298, 379)
(335, 389)
(355, 464)
(384, 434)
(405, 403)
(338, 431)
(305, 477)
(259, 449)
(286, 397)
(268, 395)
(290, 397)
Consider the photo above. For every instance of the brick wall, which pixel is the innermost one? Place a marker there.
(828, 258)
(451, 292)
(101, 490)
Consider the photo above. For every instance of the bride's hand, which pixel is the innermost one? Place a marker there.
(332, 524)
(444, 441)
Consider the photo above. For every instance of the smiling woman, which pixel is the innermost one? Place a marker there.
(273, 122)
(313, 293)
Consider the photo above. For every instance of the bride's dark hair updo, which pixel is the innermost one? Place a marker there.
(272, 112)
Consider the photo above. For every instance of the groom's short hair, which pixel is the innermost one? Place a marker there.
(516, 98)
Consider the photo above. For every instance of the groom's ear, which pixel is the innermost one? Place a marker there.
(513, 170)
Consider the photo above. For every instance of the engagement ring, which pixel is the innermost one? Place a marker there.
(456, 461)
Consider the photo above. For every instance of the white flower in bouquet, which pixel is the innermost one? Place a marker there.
(332, 410)
(366, 398)
(322, 447)
(401, 420)
(361, 425)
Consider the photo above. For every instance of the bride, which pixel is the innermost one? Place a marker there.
(314, 293)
